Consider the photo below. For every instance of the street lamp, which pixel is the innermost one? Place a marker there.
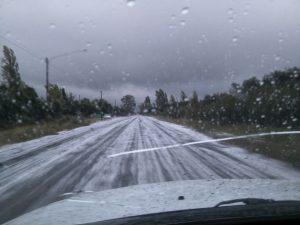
(47, 61)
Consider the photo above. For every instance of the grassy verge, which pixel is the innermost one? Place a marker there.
(42, 128)
(285, 147)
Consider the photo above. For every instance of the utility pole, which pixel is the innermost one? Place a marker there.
(47, 61)
(101, 95)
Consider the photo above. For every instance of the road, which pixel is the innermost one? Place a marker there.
(37, 172)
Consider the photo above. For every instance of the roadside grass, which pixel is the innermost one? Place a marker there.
(283, 147)
(27, 132)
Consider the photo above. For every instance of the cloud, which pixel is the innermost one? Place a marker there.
(151, 45)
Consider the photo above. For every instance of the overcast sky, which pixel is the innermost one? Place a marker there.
(138, 47)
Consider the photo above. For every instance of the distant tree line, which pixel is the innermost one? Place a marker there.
(20, 103)
(274, 100)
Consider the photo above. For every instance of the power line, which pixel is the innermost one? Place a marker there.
(20, 47)
(35, 56)
(29, 52)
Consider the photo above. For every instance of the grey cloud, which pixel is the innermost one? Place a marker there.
(139, 49)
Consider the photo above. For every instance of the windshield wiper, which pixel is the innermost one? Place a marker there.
(251, 201)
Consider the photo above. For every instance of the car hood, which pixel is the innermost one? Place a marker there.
(86, 207)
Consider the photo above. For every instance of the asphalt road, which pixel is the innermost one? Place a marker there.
(38, 172)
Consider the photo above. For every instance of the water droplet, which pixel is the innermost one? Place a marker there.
(173, 17)
(246, 13)
(8, 34)
(182, 23)
(102, 52)
(92, 71)
(185, 10)
(230, 19)
(276, 57)
(234, 39)
(52, 25)
(171, 26)
(109, 46)
(130, 3)
(81, 24)
(88, 44)
(230, 11)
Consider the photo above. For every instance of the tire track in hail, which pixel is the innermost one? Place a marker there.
(36, 188)
(54, 143)
(217, 165)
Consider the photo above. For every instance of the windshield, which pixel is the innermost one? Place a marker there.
(100, 95)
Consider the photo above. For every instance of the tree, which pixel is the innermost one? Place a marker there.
(146, 106)
(129, 104)
(194, 105)
(19, 102)
(183, 105)
(161, 101)
(173, 107)
(10, 70)
(104, 106)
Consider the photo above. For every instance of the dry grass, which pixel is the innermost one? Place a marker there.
(32, 131)
(285, 147)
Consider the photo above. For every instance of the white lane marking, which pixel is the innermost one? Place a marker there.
(67, 193)
(201, 142)
(82, 201)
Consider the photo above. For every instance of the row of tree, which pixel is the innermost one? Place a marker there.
(20, 103)
(273, 100)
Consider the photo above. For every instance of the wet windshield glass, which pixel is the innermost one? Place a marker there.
(99, 95)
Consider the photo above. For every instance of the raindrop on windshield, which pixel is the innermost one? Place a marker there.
(234, 39)
(130, 3)
(171, 26)
(182, 23)
(276, 57)
(185, 10)
(173, 17)
(230, 11)
(109, 46)
(81, 24)
(52, 25)
(96, 66)
(88, 44)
